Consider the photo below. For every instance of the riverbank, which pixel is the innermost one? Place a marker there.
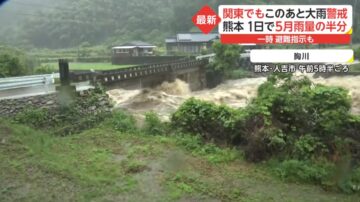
(103, 164)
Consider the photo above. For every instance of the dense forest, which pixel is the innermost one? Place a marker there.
(63, 24)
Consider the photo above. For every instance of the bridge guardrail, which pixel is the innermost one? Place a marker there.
(27, 81)
(133, 72)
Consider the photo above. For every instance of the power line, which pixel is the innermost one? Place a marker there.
(41, 5)
(49, 7)
(36, 5)
(45, 16)
(41, 16)
(20, 13)
(52, 19)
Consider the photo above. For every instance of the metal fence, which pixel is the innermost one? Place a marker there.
(27, 81)
(108, 76)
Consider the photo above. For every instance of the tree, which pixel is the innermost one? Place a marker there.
(226, 56)
(10, 65)
(357, 53)
(14, 62)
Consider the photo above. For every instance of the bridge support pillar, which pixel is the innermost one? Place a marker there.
(202, 76)
(171, 76)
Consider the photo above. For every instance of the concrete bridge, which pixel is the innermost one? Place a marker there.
(190, 71)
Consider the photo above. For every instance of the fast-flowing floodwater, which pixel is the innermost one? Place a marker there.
(167, 97)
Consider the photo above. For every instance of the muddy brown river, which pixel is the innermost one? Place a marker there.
(167, 97)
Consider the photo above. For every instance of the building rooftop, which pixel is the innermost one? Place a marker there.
(192, 37)
(135, 44)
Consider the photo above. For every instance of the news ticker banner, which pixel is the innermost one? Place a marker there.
(278, 24)
(312, 56)
(283, 24)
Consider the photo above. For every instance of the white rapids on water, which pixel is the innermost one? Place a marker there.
(167, 97)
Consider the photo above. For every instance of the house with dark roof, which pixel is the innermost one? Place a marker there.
(191, 43)
(138, 52)
(133, 49)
